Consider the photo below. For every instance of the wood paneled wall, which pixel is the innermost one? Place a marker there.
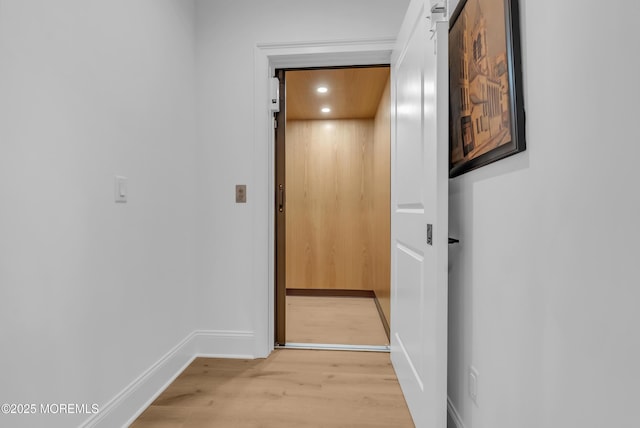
(382, 202)
(338, 213)
(329, 169)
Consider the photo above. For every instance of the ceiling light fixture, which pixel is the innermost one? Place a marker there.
(325, 109)
(323, 89)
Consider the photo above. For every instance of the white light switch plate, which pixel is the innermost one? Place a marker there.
(121, 190)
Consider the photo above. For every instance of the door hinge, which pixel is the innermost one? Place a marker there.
(275, 122)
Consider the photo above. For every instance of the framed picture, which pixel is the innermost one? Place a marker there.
(485, 84)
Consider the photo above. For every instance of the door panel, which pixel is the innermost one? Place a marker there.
(409, 149)
(410, 291)
(420, 197)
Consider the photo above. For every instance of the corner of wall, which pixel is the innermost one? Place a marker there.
(129, 403)
(133, 400)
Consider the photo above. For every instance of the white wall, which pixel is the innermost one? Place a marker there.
(544, 285)
(93, 293)
(228, 34)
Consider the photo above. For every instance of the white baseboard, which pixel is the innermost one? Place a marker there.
(225, 344)
(454, 415)
(129, 403)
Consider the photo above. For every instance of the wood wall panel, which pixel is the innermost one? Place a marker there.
(329, 203)
(382, 203)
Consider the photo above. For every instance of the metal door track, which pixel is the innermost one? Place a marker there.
(335, 347)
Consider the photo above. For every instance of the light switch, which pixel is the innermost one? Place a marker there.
(121, 189)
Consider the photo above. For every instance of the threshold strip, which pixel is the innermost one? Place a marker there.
(335, 347)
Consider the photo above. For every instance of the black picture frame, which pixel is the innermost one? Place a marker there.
(486, 104)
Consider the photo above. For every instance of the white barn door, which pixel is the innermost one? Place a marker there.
(419, 235)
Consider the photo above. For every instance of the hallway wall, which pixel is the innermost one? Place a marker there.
(93, 293)
(544, 283)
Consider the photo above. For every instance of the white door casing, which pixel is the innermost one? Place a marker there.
(419, 193)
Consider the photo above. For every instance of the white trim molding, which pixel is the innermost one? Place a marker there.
(129, 403)
(454, 415)
(329, 53)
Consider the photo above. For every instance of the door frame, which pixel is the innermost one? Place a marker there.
(267, 58)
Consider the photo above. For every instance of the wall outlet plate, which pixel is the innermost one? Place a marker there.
(473, 384)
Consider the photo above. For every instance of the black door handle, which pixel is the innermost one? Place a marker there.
(281, 198)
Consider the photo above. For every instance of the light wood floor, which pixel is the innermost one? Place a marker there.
(335, 320)
(291, 388)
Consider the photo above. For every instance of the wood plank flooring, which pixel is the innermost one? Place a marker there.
(335, 320)
(293, 388)
(290, 388)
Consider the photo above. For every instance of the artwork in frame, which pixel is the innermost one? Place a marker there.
(485, 84)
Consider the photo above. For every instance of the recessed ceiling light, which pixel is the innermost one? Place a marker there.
(322, 89)
(325, 109)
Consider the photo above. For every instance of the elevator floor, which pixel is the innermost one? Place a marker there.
(334, 320)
